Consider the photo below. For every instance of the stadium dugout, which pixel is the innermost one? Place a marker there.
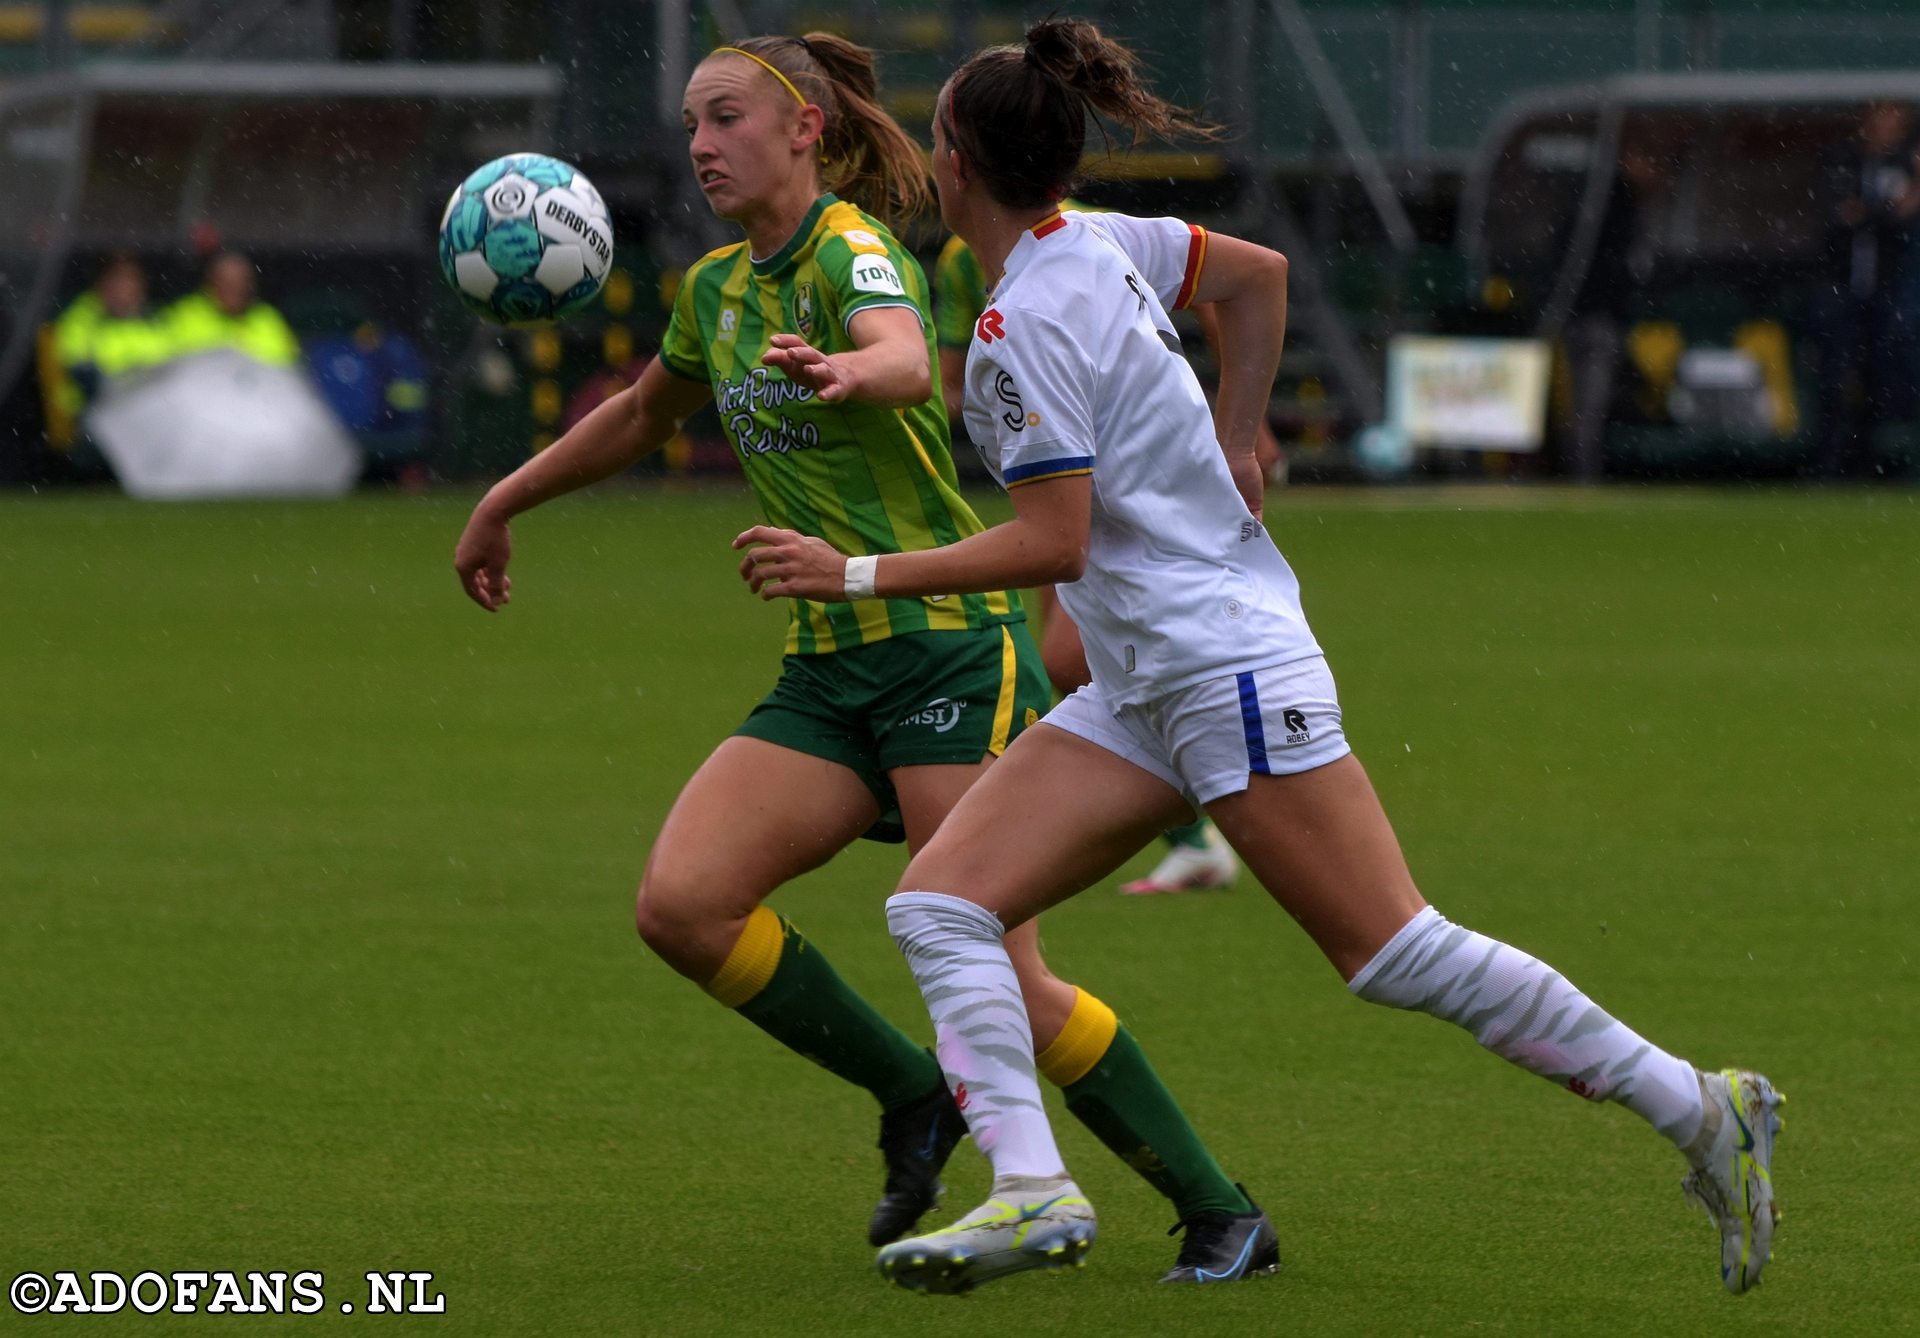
(1736, 245)
(319, 160)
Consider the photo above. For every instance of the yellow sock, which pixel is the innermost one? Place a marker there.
(750, 965)
(1082, 1041)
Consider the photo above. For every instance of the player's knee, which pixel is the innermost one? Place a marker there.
(661, 914)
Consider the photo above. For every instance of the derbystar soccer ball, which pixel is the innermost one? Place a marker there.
(525, 239)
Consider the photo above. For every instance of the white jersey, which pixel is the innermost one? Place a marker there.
(1075, 368)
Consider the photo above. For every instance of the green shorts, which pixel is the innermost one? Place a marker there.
(921, 699)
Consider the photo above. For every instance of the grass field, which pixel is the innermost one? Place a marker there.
(317, 950)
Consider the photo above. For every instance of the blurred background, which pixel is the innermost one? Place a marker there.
(1530, 238)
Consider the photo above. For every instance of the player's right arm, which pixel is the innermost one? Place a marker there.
(1247, 287)
(615, 436)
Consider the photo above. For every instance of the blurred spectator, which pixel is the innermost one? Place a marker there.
(106, 333)
(1618, 273)
(376, 383)
(1862, 318)
(226, 313)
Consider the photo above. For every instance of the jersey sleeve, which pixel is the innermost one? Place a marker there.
(868, 269)
(682, 351)
(1169, 253)
(959, 296)
(1036, 384)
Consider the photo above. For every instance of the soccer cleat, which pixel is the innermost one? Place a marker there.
(1732, 1177)
(1191, 869)
(1225, 1247)
(1049, 1227)
(916, 1141)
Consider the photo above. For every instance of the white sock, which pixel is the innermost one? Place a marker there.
(1531, 1015)
(982, 1038)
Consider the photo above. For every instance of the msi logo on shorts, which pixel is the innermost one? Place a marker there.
(1295, 721)
(942, 714)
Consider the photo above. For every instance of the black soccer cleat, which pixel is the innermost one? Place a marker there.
(1226, 1247)
(916, 1141)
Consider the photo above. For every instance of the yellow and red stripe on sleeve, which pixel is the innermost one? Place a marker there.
(1196, 259)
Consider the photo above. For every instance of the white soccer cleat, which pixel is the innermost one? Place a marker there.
(1191, 869)
(1020, 1228)
(1732, 1177)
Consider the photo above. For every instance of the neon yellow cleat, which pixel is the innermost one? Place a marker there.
(1026, 1226)
(1732, 1177)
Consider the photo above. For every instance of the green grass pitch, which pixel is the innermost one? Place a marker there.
(317, 950)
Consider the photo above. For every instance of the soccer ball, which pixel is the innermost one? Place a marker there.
(526, 239)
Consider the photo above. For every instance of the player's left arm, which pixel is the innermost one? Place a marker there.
(1045, 542)
(1247, 287)
(887, 366)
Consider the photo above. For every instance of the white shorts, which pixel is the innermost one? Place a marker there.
(1205, 740)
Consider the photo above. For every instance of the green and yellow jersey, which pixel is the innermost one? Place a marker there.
(959, 294)
(864, 478)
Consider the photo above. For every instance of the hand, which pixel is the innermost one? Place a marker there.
(782, 564)
(808, 366)
(481, 558)
(1250, 480)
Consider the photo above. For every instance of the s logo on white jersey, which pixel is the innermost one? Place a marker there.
(876, 274)
(1016, 416)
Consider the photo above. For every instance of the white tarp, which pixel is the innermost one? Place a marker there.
(219, 424)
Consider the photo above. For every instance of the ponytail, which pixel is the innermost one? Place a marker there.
(1020, 113)
(864, 154)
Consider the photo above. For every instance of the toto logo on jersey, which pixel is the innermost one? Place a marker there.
(876, 274)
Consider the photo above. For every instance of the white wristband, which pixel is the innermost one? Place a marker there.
(861, 572)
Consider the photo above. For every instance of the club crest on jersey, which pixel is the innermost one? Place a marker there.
(803, 309)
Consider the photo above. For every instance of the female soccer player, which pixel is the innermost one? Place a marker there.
(1198, 858)
(1208, 688)
(886, 709)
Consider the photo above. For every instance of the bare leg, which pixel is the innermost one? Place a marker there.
(1320, 843)
(754, 816)
(927, 796)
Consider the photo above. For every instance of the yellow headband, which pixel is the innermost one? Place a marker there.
(785, 82)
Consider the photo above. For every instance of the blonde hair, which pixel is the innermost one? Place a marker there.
(865, 156)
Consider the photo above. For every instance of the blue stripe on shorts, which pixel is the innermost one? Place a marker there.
(1250, 721)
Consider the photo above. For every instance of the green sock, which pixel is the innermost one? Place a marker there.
(1124, 1102)
(808, 1008)
(1193, 836)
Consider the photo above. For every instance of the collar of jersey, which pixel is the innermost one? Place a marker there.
(1025, 247)
(780, 259)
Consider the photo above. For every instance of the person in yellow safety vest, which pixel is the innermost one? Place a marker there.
(106, 333)
(226, 314)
